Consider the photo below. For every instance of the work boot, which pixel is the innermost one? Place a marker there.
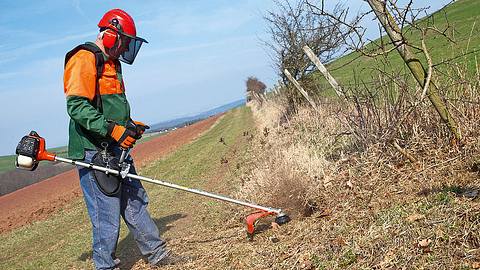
(171, 259)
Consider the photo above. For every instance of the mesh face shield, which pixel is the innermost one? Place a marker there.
(133, 45)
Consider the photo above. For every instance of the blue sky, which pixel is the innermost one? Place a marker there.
(198, 57)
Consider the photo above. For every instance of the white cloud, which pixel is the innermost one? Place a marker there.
(7, 75)
(192, 21)
(225, 41)
(37, 73)
(13, 54)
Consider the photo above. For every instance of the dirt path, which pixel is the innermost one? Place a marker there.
(38, 201)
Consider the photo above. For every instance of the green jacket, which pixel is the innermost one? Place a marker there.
(89, 117)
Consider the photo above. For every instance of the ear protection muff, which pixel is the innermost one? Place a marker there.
(109, 38)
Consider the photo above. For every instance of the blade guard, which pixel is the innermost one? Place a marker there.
(30, 150)
(252, 219)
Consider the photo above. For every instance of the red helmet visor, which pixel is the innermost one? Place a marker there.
(133, 45)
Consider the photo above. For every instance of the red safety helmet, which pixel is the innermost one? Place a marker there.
(120, 37)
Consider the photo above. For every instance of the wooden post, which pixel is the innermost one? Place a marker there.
(279, 86)
(264, 97)
(414, 64)
(299, 87)
(324, 70)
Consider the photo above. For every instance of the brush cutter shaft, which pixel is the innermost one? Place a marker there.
(204, 193)
(170, 185)
(87, 165)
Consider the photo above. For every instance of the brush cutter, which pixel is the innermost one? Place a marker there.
(31, 150)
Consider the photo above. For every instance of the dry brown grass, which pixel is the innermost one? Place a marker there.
(358, 202)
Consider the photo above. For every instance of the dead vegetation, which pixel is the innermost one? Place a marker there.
(376, 179)
(357, 201)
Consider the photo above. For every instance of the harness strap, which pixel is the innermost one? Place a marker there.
(99, 66)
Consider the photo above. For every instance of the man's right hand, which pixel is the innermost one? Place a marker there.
(124, 137)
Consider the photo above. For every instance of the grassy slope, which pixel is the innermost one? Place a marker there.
(63, 241)
(462, 16)
(7, 163)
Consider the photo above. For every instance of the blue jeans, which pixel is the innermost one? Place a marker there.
(105, 211)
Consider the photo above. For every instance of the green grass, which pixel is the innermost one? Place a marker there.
(348, 258)
(64, 240)
(7, 163)
(462, 16)
(198, 158)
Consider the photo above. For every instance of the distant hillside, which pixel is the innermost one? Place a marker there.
(463, 17)
(179, 122)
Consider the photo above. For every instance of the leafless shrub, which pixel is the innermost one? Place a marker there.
(291, 26)
(399, 23)
(255, 89)
(373, 207)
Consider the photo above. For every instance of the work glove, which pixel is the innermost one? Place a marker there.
(139, 128)
(126, 138)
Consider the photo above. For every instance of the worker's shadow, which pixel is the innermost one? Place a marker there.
(469, 192)
(127, 250)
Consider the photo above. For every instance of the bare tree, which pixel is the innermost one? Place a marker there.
(292, 26)
(255, 88)
(396, 21)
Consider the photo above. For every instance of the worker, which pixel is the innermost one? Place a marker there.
(100, 130)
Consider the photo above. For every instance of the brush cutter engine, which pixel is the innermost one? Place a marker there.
(27, 150)
(31, 150)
